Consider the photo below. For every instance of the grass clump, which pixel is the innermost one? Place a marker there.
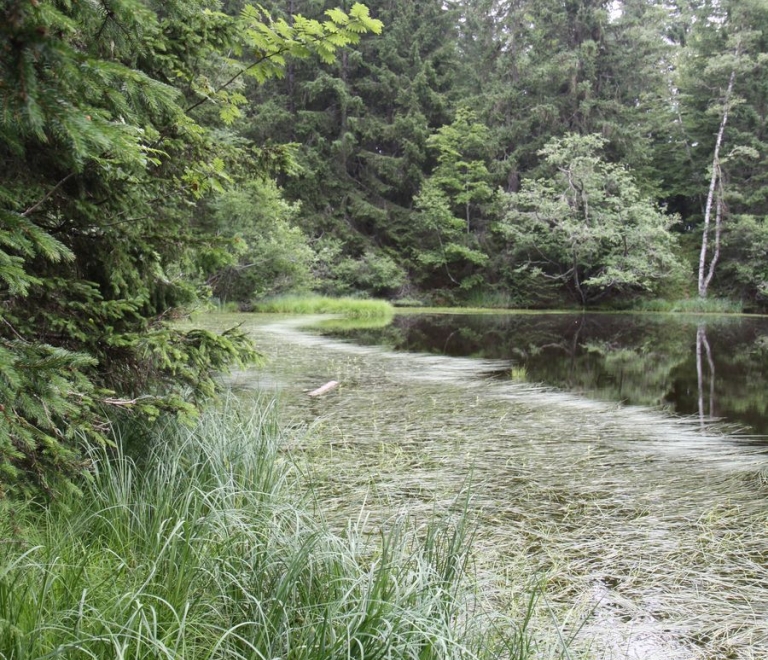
(349, 307)
(203, 552)
(691, 306)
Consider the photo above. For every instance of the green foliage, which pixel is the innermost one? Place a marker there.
(409, 133)
(203, 552)
(363, 125)
(447, 254)
(109, 162)
(375, 274)
(462, 173)
(723, 70)
(47, 401)
(449, 202)
(275, 40)
(589, 226)
(537, 69)
(270, 254)
(745, 267)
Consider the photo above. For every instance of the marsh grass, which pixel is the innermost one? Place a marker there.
(349, 307)
(693, 305)
(208, 551)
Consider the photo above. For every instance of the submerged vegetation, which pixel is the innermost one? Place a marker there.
(205, 548)
(646, 536)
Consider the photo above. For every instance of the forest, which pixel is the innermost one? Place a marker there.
(157, 156)
(163, 159)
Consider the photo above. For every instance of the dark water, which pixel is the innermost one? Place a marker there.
(714, 368)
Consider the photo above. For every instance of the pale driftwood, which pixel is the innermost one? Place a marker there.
(330, 385)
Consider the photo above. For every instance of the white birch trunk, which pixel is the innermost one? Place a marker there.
(715, 189)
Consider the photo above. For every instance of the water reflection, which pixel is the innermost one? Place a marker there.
(716, 369)
(702, 343)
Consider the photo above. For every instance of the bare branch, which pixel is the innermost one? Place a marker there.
(48, 195)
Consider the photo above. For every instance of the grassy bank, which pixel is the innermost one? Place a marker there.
(349, 307)
(693, 305)
(207, 550)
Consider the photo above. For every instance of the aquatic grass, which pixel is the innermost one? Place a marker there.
(209, 550)
(647, 535)
(349, 307)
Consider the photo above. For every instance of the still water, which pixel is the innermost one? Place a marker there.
(713, 368)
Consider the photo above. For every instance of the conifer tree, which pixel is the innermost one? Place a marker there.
(362, 126)
(106, 152)
(540, 69)
(451, 204)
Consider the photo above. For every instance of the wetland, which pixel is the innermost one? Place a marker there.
(714, 368)
(643, 535)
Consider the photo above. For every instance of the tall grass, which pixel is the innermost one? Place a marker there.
(350, 307)
(205, 551)
(492, 299)
(693, 305)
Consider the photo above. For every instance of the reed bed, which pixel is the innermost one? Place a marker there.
(348, 307)
(693, 305)
(646, 536)
(207, 546)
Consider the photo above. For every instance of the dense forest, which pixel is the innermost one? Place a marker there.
(535, 153)
(532, 153)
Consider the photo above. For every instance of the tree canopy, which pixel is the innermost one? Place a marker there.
(113, 143)
(156, 155)
(588, 225)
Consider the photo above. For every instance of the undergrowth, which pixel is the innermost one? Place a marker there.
(204, 548)
(691, 306)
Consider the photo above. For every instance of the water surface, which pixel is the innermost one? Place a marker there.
(714, 368)
(649, 537)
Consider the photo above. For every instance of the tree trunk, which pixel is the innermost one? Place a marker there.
(291, 78)
(714, 196)
(577, 282)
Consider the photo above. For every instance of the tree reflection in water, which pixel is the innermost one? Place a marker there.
(703, 347)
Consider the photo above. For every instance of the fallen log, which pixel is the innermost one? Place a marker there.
(330, 385)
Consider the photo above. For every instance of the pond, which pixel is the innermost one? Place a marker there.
(713, 368)
(646, 537)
